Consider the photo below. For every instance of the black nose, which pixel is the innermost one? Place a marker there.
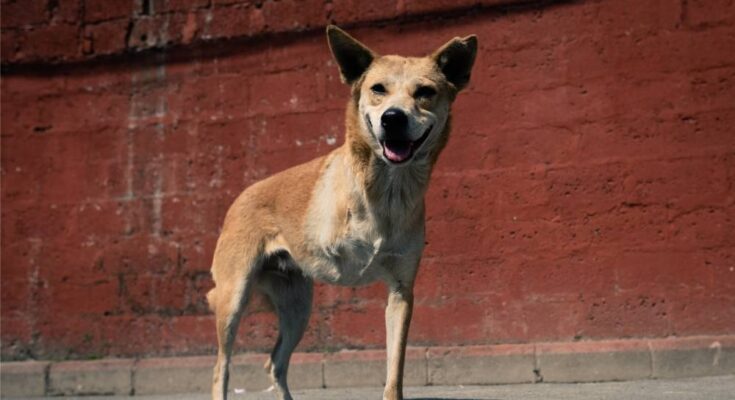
(394, 121)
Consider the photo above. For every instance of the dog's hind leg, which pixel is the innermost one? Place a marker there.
(233, 273)
(291, 293)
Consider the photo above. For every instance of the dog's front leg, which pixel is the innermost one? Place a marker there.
(397, 321)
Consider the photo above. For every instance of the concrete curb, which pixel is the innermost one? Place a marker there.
(27, 378)
(594, 361)
(478, 365)
(103, 377)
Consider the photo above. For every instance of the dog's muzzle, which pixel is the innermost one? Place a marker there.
(397, 146)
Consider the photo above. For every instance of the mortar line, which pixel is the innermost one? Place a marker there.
(426, 363)
(651, 366)
(47, 379)
(538, 376)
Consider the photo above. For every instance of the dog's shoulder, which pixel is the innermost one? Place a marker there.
(293, 182)
(284, 195)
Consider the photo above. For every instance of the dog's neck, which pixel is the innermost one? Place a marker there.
(394, 193)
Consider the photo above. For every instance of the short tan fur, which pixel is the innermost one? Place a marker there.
(351, 217)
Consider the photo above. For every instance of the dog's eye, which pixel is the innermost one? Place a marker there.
(425, 92)
(378, 88)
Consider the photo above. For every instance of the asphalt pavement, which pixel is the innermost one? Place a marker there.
(706, 388)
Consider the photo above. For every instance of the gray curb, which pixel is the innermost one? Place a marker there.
(612, 360)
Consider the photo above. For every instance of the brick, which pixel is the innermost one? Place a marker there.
(23, 378)
(550, 280)
(101, 10)
(76, 298)
(629, 139)
(689, 45)
(145, 33)
(18, 259)
(418, 7)
(646, 271)
(189, 331)
(450, 277)
(467, 313)
(177, 214)
(107, 37)
(68, 10)
(91, 377)
(367, 368)
(221, 97)
(156, 31)
(650, 17)
(327, 295)
(701, 180)
(600, 316)
(189, 28)
(164, 6)
(606, 361)
(69, 335)
(10, 42)
(356, 11)
(149, 329)
(292, 91)
(708, 226)
(591, 189)
(362, 324)
(21, 13)
(441, 243)
(52, 41)
(481, 365)
(71, 112)
(689, 314)
(227, 22)
(723, 272)
(315, 131)
(546, 318)
(292, 15)
(16, 336)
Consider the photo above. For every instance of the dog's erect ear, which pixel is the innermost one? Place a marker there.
(455, 60)
(352, 56)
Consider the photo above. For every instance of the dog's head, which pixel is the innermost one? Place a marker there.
(403, 102)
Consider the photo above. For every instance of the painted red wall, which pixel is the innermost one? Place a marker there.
(587, 190)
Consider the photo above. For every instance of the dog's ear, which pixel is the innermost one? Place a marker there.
(353, 57)
(455, 60)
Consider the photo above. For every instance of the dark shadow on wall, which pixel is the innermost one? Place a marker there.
(203, 50)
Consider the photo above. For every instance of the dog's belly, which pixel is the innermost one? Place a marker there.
(351, 262)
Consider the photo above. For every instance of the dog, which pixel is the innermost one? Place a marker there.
(351, 217)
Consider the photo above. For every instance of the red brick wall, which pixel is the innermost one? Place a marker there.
(587, 190)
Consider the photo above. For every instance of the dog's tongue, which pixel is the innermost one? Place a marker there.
(397, 151)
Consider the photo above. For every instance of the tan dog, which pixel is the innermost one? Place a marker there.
(351, 217)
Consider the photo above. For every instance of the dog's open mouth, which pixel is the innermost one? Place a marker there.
(400, 151)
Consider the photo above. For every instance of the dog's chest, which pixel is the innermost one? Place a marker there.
(350, 241)
(353, 256)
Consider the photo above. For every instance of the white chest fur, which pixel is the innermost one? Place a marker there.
(343, 241)
(352, 257)
(347, 241)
